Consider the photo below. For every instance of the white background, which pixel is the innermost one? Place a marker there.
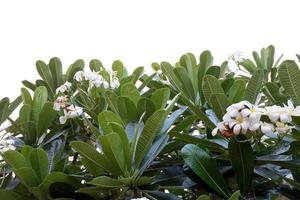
(137, 32)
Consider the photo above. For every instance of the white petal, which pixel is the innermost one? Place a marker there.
(56, 106)
(63, 119)
(254, 127)
(214, 131)
(296, 111)
(245, 112)
(290, 104)
(267, 128)
(226, 117)
(274, 116)
(237, 129)
(245, 125)
(231, 123)
(284, 117)
(254, 117)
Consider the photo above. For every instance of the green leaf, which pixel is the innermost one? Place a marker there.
(4, 103)
(39, 100)
(45, 73)
(145, 81)
(219, 103)
(237, 91)
(56, 71)
(46, 117)
(254, 85)
(137, 72)
(205, 167)
(78, 65)
(112, 148)
(92, 155)
(129, 90)
(210, 145)
(27, 176)
(152, 127)
(289, 76)
(29, 85)
(96, 65)
(91, 167)
(206, 60)
(160, 97)
(11, 195)
(271, 90)
(15, 159)
(125, 142)
(235, 196)
(106, 117)
(248, 65)
(186, 82)
(127, 109)
(112, 100)
(119, 68)
(27, 99)
(211, 86)
(168, 71)
(242, 159)
(106, 182)
(39, 162)
(13, 105)
(146, 106)
(214, 71)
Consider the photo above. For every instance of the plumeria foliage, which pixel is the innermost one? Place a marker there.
(188, 130)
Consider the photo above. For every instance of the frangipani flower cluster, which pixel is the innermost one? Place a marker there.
(64, 103)
(97, 80)
(244, 117)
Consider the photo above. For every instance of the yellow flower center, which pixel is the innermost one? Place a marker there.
(239, 119)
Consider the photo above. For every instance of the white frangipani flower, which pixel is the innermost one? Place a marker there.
(236, 56)
(114, 81)
(60, 102)
(63, 88)
(282, 128)
(6, 143)
(266, 128)
(276, 113)
(240, 118)
(70, 112)
(80, 76)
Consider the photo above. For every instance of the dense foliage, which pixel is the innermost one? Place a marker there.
(192, 130)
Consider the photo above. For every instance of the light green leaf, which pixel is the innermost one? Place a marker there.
(119, 68)
(160, 97)
(39, 162)
(27, 176)
(95, 65)
(46, 117)
(15, 159)
(78, 65)
(127, 109)
(92, 155)
(39, 100)
(152, 127)
(289, 76)
(112, 148)
(219, 103)
(55, 67)
(106, 117)
(254, 85)
(106, 182)
(129, 90)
